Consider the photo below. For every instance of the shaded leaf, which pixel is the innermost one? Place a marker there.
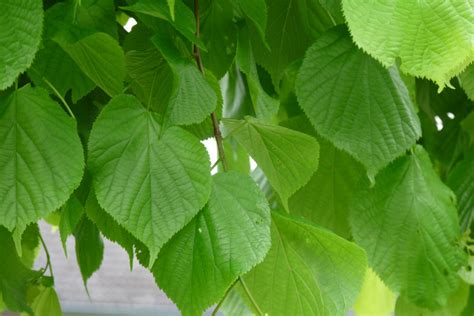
(89, 248)
(407, 222)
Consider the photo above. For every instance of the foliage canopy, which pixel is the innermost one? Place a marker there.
(358, 115)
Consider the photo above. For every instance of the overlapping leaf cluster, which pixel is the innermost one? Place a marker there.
(362, 161)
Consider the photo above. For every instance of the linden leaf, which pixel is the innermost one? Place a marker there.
(226, 239)
(308, 271)
(354, 102)
(41, 157)
(433, 39)
(21, 24)
(152, 182)
(407, 222)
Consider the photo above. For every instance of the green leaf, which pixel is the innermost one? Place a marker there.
(193, 98)
(41, 157)
(461, 181)
(265, 106)
(54, 64)
(407, 222)
(308, 271)
(354, 102)
(20, 35)
(14, 276)
(468, 126)
(152, 78)
(152, 182)
(466, 78)
(433, 39)
(89, 248)
(71, 214)
(287, 157)
(47, 303)
(375, 298)
(101, 58)
(183, 20)
(293, 26)
(109, 227)
(454, 306)
(30, 245)
(334, 9)
(219, 34)
(326, 198)
(256, 12)
(226, 239)
(94, 14)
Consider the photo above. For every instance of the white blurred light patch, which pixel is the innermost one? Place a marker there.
(211, 147)
(439, 123)
(130, 24)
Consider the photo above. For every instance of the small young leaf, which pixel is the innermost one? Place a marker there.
(41, 157)
(193, 98)
(89, 248)
(226, 239)
(21, 24)
(354, 102)
(407, 222)
(308, 271)
(287, 157)
(71, 214)
(152, 182)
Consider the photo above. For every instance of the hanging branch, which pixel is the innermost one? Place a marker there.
(221, 158)
(215, 122)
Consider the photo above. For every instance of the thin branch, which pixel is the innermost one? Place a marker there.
(220, 149)
(197, 57)
(48, 257)
(215, 164)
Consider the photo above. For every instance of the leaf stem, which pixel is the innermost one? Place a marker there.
(56, 92)
(250, 296)
(214, 312)
(197, 57)
(48, 257)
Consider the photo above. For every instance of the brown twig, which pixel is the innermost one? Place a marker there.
(197, 57)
